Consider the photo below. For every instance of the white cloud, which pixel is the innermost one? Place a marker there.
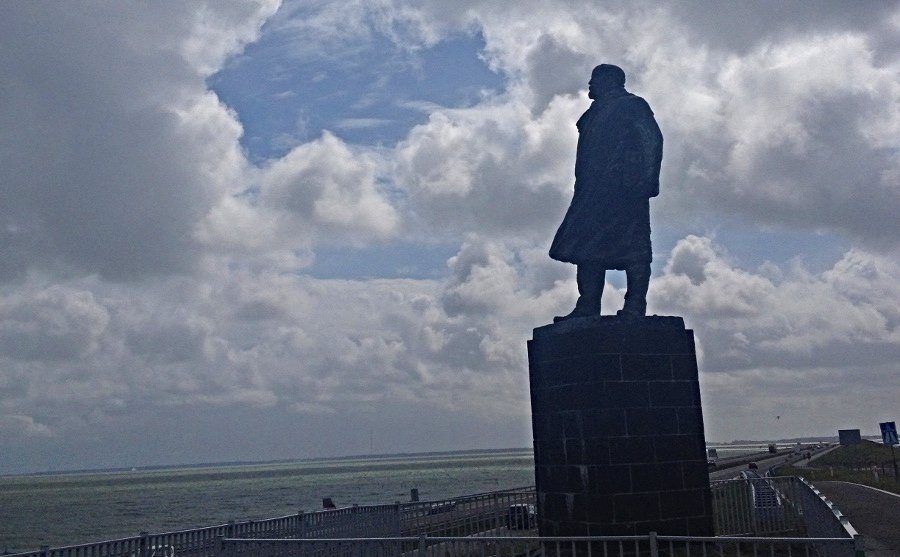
(842, 317)
(358, 123)
(327, 183)
(793, 130)
(13, 425)
(149, 270)
(113, 148)
(51, 324)
(490, 169)
(331, 347)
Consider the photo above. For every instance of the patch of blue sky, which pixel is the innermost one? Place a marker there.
(395, 260)
(749, 245)
(371, 94)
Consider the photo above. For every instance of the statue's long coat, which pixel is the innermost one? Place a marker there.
(616, 173)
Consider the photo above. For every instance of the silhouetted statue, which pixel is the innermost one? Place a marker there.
(617, 166)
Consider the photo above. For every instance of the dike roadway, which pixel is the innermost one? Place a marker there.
(764, 462)
(874, 513)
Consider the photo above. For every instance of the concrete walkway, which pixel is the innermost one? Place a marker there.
(875, 514)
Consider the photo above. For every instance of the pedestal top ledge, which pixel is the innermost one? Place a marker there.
(610, 321)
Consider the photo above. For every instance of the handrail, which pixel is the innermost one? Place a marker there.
(464, 515)
(713, 539)
(651, 545)
(292, 524)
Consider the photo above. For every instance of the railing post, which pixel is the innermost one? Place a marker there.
(397, 523)
(422, 545)
(654, 545)
(144, 550)
(229, 529)
(217, 548)
(45, 550)
(495, 514)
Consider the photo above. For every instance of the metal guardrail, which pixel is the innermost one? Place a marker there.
(823, 517)
(463, 516)
(757, 507)
(460, 516)
(783, 506)
(651, 545)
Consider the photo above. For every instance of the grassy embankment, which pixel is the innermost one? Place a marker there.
(852, 464)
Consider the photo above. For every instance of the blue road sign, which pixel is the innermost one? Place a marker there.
(889, 433)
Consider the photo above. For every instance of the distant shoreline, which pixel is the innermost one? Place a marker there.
(356, 457)
(235, 463)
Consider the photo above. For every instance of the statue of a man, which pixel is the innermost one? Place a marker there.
(617, 167)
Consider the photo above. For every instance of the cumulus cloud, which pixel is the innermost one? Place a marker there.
(832, 337)
(54, 323)
(317, 347)
(151, 273)
(325, 182)
(491, 169)
(112, 146)
(844, 316)
(790, 129)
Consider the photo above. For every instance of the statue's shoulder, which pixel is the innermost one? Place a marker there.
(635, 105)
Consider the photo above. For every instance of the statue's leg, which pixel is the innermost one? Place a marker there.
(638, 278)
(590, 278)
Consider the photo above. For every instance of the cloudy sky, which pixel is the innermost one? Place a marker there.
(236, 231)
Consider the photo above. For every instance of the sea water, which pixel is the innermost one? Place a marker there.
(72, 508)
(65, 509)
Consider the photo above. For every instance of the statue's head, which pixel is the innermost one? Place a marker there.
(605, 77)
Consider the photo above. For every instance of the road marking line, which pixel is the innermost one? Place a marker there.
(861, 485)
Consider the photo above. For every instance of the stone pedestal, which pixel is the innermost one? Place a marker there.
(618, 430)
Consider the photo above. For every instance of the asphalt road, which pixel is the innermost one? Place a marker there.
(764, 464)
(733, 472)
(874, 514)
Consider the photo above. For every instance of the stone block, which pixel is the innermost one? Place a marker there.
(684, 503)
(618, 428)
(631, 450)
(608, 479)
(610, 422)
(651, 421)
(674, 393)
(625, 394)
(690, 420)
(646, 367)
(684, 367)
(636, 507)
(669, 448)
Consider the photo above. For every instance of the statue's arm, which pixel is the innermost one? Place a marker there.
(651, 141)
(638, 154)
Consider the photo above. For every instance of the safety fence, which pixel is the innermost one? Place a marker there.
(473, 514)
(821, 516)
(650, 545)
(460, 516)
(748, 514)
(767, 506)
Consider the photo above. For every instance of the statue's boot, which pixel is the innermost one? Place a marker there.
(638, 279)
(591, 278)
